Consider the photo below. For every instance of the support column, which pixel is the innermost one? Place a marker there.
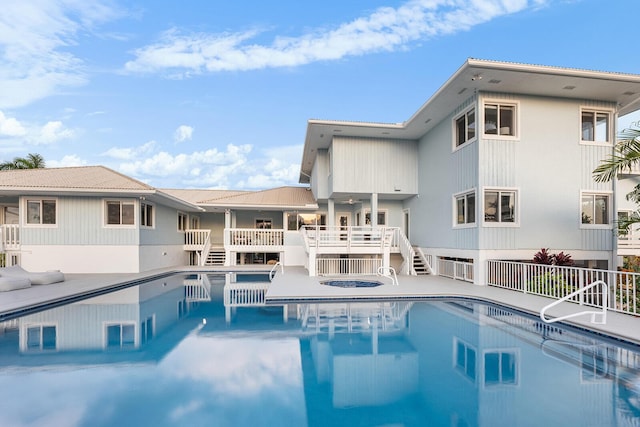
(374, 210)
(228, 261)
(331, 213)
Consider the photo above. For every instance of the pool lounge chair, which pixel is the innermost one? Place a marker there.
(38, 278)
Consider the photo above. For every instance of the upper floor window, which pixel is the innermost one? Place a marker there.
(465, 205)
(500, 119)
(120, 212)
(182, 221)
(41, 211)
(41, 337)
(500, 206)
(465, 127)
(382, 218)
(595, 126)
(146, 214)
(595, 209)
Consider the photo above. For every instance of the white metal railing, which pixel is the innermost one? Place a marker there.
(353, 266)
(594, 313)
(9, 237)
(196, 238)
(559, 281)
(252, 237)
(407, 252)
(388, 272)
(272, 273)
(459, 270)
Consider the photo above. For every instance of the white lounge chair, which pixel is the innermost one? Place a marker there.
(37, 278)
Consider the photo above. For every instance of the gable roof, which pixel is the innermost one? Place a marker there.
(481, 75)
(84, 180)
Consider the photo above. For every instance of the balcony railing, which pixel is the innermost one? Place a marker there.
(351, 238)
(9, 237)
(248, 238)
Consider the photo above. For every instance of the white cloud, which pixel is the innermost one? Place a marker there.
(131, 152)
(10, 126)
(33, 36)
(386, 29)
(54, 131)
(66, 161)
(183, 133)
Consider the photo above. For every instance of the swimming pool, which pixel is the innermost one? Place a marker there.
(163, 354)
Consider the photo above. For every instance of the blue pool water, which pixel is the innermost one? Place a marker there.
(352, 283)
(163, 354)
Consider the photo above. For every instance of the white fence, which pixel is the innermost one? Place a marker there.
(9, 237)
(352, 266)
(458, 270)
(335, 236)
(253, 237)
(558, 282)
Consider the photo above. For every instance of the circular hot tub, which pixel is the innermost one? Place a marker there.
(352, 283)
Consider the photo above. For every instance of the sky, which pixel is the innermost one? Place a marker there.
(217, 94)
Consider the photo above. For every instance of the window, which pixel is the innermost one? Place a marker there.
(41, 338)
(263, 224)
(146, 214)
(120, 336)
(500, 206)
(297, 220)
(595, 209)
(119, 212)
(465, 359)
(595, 126)
(41, 211)
(465, 127)
(500, 367)
(382, 218)
(500, 119)
(182, 221)
(465, 205)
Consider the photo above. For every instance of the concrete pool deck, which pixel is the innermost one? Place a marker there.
(294, 285)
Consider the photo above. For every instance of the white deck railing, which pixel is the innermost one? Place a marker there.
(253, 237)
(559, 282)
(350, 237)
(196, 239)
(458, 270)
(352, 266)
(9, 237)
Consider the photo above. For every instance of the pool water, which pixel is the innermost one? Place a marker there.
(166, 354)
(352, 283)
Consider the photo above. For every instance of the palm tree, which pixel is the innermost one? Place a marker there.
(31, 161)
(626, 155)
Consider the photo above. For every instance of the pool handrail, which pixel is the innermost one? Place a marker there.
(594, 313)
(388, 272)
(272, 273)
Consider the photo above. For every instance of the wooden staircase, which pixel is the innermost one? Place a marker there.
(420, 265)
(216, 256)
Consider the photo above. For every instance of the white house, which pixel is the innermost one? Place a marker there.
(497, 164)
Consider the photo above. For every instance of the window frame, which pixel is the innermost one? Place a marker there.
(610, 220)
(383, 212)
(320, 219)
(105, 213)
(24, 344)
(516, 215)
(515, 354)
(595, 111)
(456, 197)
(516, 119)
(40, 201)
(147, 210)
(464, 115)
(183, 221)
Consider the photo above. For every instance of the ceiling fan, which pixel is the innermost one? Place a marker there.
(351, 201)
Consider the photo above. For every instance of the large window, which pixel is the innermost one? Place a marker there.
(465, 205)
(595, 126)
(146, 214)
(382, 218)
(595, 209)
(120, 212)
(500, 368)
(465, 127)
(41, 337)
(500, 119)
(121, 336)
(500, 206)
(41, 211)
(297, 220)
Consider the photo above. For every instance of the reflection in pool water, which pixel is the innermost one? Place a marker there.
(165, 354)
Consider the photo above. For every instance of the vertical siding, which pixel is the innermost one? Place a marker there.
(165, 230)
(363, 165)
(80, 221)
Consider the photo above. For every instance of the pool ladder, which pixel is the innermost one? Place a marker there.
(388, 272)
(602, 313)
